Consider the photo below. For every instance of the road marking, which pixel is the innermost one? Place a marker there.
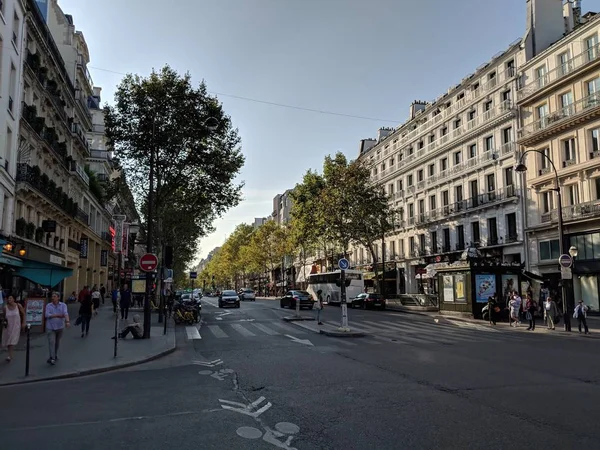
(217, 332)
(300, 341)
(246, 320)
(192, 333)
(216, 362)
(288, 328)
(249, 409)
(240, 329)
(265, 329)
(473, 326)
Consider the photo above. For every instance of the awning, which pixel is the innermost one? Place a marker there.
(10, 260)
(532, 275)
(43, 274)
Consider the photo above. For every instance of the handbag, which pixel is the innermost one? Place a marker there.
(4, 323)
(78, 321)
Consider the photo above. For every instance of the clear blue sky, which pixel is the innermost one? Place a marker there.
(367, 58)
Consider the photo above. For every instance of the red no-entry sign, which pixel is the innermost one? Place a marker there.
(148, 262)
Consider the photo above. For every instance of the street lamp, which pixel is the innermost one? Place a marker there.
(573, 251)
(521, 167)
(211, 125)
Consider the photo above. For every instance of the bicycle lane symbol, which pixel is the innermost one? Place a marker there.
(282, 429)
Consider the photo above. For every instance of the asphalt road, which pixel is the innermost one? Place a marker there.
(247, 380)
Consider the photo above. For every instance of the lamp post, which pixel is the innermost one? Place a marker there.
(211, 125)
(521, 167)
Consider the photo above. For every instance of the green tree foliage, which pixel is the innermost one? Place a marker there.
(195, 167)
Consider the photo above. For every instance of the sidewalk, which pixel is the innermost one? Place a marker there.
(84, 356)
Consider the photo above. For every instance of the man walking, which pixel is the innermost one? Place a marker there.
(102, 292)
(57, 317)
(125, 301)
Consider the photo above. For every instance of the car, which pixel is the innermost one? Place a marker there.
(368, 301)
(291, 297)
(229, 298)
(247, 294)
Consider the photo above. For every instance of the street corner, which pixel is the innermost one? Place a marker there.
(297, 318)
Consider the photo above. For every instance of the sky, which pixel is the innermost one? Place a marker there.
(356, 64)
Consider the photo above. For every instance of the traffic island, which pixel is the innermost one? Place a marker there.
(342, 333)
(298, 318)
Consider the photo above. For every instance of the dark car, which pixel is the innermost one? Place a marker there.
(368, 301)
(229, 298)
(291, 297)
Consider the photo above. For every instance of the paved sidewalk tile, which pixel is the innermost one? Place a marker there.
(91, 354)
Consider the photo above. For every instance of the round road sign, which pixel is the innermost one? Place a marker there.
(565, 261)
(149, 262)
(343, 264)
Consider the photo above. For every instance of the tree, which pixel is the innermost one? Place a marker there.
(268, 246)
(195, 166)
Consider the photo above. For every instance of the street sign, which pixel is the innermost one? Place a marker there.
(343, 264)
(148, 262)
(566, 273)
(193, 275)
(565, 261)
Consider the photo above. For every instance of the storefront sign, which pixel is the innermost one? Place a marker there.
(448, 281)
(83, 252)
(34, 311)
(57, 260)
(119, 222)
(459, 288)
(103, 258)
(485, 287)
(125, 246)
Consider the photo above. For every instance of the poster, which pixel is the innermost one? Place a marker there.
(34, 311)
(448, 281)
(509, 284)
(459, 288)
(485, 287)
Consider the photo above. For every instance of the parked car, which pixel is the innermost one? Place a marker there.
(229, 298)
(247, 294)
(291, 297)
(368, 301)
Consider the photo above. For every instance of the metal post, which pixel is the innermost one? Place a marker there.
(343, 300)
(165, 324)
(382, 282)
(28, 350)
(150, 223)
(161, 302)
(561, 246)
(116, 336)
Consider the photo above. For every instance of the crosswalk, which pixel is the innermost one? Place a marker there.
(385, 331)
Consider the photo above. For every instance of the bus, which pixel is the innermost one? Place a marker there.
(325, 282)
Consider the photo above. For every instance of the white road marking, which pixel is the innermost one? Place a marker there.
(217, 332)
(300, 341)
(265, 329)
(192, 333)
(240, 329)
(216, 362)
(473, 326)
(246, 409)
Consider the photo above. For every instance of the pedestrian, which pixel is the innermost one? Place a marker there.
(550, 312)
(57, 318)
(13, 323)
(515, 306)
(86, 310)
(115, 298)
(72, 298)
(125, 301)
(581, 314)
(102, 292)
(82, 294)
(530, 310)
(492, 305)
(135, 329)
(319, 306)
(96, 298)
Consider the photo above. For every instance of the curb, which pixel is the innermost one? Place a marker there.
(82, 373)
(297, 319)
(342, 334)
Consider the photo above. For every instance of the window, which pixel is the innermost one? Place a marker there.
(431, 170)
(544, 158)
(488, 105)
(15, 33)
(457, 123)
(491, 182)
(563, 63)
(444, 131)
(508, 176)
(434, 243)
(13, 88)
(411, 210)
(446, 240)
(460, 237)
(472, 151)
(400, 156)
(540, 74)
(401, 248)
(391, 162)
(471, 115)
(443, 164)
(510, 68)
(421, 145)
(422, 243)
(421, 207)
(431, 138)
(460, 96)
(597, 184)
(572, 194)
(475, 232)
(474, 188)
(458, 193)
(383, 167)
(569, 150)
(511, 227)
(542, 112)
(595, 137)
(506, 96)
(593, 86)
(566, 99)
(411, 245)
(445, 198)
(591, 46)
(507, 135)
(549, 250)
(474, 87)
(420, 176)
(391, 188)
(547, 201)
(409, 180)
(411, 151)
(457, 158)
(489, 143)
(432, 203)
(8, 149)
(400, 185)
(392, 251)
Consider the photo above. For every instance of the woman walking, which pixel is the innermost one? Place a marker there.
(530, 310)
(515, 307)
(86, 309)
(96, 297)
(319, 306)
(14, 322)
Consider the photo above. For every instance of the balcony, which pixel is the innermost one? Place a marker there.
(33, 176)
(74, 245)
(564, 71)
(81, 101)
(76, 168)
(82, 65)
(573, 212)
(511, 238)
(561, 120)
(77, 131)
(100, 154)
(83, 216)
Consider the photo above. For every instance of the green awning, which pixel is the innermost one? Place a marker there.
(10, 260)
(44, 274)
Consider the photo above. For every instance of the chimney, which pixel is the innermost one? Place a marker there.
(383, 132)
(366, 145)
(415, 107)
(545, 26)
(576, 12)
(568, 16)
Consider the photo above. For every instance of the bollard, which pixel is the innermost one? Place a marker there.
(116, 337)
(165, 319)
(28, 348)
